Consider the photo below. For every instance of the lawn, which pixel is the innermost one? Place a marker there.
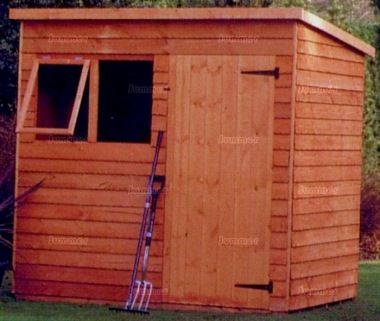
(365, 308)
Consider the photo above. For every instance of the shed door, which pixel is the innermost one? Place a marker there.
(219, 180)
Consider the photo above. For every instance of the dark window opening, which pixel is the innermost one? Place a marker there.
(57, 89)
(125, 101)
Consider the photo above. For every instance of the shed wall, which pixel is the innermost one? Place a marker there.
(75, 202)
(327, 171)
(89, 193)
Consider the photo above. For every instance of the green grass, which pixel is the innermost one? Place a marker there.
(365, 308)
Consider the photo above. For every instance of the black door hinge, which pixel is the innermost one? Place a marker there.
(275, 72)
(266, 287)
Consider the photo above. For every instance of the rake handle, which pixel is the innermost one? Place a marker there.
(147, 205)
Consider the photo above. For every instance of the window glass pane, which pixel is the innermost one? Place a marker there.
(57, 88)
(125, 101)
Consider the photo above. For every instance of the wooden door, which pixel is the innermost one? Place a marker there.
(219, 172)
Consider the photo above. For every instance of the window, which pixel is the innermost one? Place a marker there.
(62, 98)
(125, 101)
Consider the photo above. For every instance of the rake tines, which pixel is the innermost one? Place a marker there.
(143, 293)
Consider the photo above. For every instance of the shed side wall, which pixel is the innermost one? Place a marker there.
(93, 194)
(327, 173)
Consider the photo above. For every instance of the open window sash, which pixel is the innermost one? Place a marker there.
(69, 130)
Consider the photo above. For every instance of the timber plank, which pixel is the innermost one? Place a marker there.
(284, 81)
(280, 191)
(160, 108)
(181, 155)
(279, 224)
(80, 275)
(170, 271)
(277, 272)
(323, 220)
(196, 198)
(278, 257)
(160, 94)
(282, 126)
(324, 266)
(333, 97)
(279, 208)
(263, 115)
(168, 63)
(278, 304)
(86, 197)
(330, 66)
(229, 156)
(327, 158)
(324, 251)
(329, 127)
(159, 123)
(87, 213)
(331, 83)
(282, 110)
(160, 46)
(127, 183)
(279, 240)
(67, 166)
(73, 291)
(282, 95)
(211, 172)
(83, 259)
(328, 51)
(285, 63)
(242, 169)
(73, 228)
(327, 173)
(326, 204)
(312, 142)
(160, 79)
(322, 111)
(281, 158)
(280, 174)
(258, 166)
(324, 235)
(316, 189)
(279, 289)
(305, 300)
(329, 282)
(83, 244)
(27, 66)
(306, 33)
(139, 153)
(161, 63)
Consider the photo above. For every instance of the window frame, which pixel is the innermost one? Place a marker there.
(29, 93)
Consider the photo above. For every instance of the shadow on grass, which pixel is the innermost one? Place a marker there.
(365, 308)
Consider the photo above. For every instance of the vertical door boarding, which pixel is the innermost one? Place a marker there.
(219, 171)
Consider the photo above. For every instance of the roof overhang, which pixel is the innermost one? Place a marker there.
(295, 14)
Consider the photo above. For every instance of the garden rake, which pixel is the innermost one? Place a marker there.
(141, 290)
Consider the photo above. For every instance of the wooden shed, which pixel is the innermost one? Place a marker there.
(262, 114)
